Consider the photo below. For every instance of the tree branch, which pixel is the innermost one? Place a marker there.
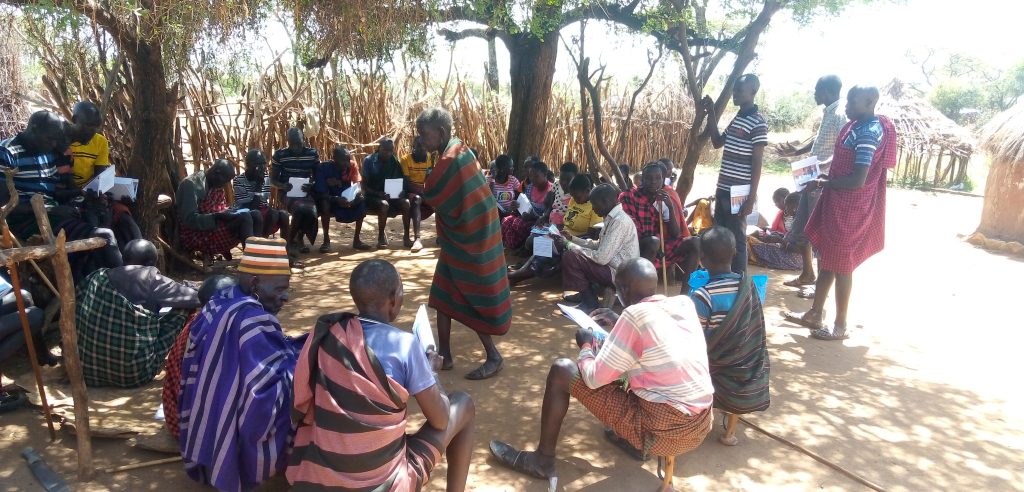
(476, 32)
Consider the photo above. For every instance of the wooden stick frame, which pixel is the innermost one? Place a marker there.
(57, 250)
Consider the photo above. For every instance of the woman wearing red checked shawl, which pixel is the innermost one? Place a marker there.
(847, 225)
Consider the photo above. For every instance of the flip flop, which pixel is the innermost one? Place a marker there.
(514, 459)
(828, 334)
(417, 246)
(447, 364)
(806, 293)
(798, 283)
(361, 246)
(798, 318)
(382, 245)
(624, 445)
(325, 248)
(304, 249)
(478, 373)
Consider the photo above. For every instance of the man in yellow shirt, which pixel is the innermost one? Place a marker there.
(415, 167)
(90, 150)
(91, 153)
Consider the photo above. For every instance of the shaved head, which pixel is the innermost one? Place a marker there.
(718, 245)
(215, 284)
(373, 284)
(140, 252)
(636, 279)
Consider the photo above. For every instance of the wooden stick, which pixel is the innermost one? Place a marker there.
(45, 251)
(816, 457)
(71, 362)
(39, 271)
(178, 256)
(43, 220)
(26, 328)
(144, 464)
(664, 254)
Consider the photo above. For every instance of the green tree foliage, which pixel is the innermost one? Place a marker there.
(970, 91)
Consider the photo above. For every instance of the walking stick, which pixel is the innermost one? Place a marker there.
(12, 268)
(664, 255)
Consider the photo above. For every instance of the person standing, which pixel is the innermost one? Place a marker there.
(826, 92)
(470, 282)
(744, 140)
(848, 225)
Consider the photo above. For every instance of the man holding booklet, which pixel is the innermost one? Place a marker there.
(744, 140)
(659, 343)
(353, 383)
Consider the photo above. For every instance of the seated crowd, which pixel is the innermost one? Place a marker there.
(329, 409)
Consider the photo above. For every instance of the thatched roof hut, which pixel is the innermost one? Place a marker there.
(1002, 217)
(934, 150)
(13, 110)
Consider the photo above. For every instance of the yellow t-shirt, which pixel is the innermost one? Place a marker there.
(88, 156)
(580, 218)
(415, 171)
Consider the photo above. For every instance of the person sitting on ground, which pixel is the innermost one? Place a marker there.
(657, 347)
(37, 155)
(252, 191)
(236, 391)
(656, 209)
(333, 178)
(730, 311)
(515, 229)
(298, 162)
(586, 261)
(415, 166)
(558, 200)
(91, 155)
(355, 439)
(127, 319)
(504, 186)
(12, 335)
(766, 248)
(377, 168)
(579, 221)
(207, 225)
(172, 369)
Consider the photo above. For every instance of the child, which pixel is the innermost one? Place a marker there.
(766, 247)
(730, 312)
(503, 185)
(580, 219)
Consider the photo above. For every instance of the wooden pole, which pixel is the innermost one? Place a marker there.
(664, 254)
(144, 464)
(26, 328)
(45, 251)
(71, 362)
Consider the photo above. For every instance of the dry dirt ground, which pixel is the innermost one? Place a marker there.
(920, 398)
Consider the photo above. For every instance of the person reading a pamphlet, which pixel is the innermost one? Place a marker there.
(578, 221)
(338, 194)
(90, 153)
(531, 204)
(292, 172)
(353, 382)
(207, 225)
(385, 185)
(656, 345)
(826, 93)
(744, 140)
(586, 262)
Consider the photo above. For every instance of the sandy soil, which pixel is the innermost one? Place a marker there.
(919, 398)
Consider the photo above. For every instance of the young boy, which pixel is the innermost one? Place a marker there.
(729, 310)
(351, 432)
(332, 179)
(744, 140)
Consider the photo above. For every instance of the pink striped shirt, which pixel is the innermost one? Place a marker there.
(658, 345)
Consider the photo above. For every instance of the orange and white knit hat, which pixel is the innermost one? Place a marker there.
(265, 257)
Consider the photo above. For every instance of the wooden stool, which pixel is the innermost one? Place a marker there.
(669, 469)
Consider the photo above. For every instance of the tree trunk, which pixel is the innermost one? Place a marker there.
(532, 68)
(492, 64)
(152, 124)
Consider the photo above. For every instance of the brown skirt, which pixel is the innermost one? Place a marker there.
(659, 429)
